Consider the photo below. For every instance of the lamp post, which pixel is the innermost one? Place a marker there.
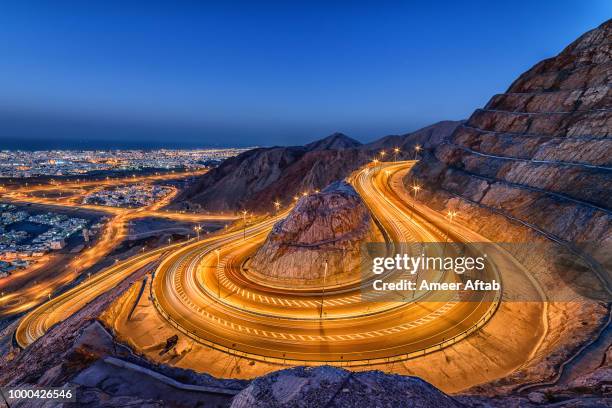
(244, 213)
(396, 151)
(415, 188)
(417, 149)
(277, 205)
(217, 273)
(197, 229)
(450, 215)
(323, 291)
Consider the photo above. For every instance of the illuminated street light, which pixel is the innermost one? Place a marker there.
(277, 205)
(417, 149)
(396, 151)
(415, 189)
(451, 215)
(244, 213)
(197, 229)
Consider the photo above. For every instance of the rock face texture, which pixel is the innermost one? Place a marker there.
(541, 153)
(333, 387)
(535, 165)
(325, 227)
(255, 179)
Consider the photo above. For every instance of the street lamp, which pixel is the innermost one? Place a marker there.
(197, 229)
(415, 189)
(217, 273)
(244, 213)
(323, 291)
(450, 215)
(417, 149)
(382, 155)
(396, 151)
(277, 205)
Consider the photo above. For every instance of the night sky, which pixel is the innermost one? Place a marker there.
(182, 74)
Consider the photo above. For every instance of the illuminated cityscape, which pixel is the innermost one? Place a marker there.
(451, 249)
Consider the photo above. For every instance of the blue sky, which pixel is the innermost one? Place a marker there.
(241, 73)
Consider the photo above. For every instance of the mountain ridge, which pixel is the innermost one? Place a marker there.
(255, 179)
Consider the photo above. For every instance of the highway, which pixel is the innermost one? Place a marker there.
(38, 321)
(202, 291)
(27, 288)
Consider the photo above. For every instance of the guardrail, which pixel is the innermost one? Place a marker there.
(341, 362)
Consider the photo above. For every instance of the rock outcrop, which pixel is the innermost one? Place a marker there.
(535, 166)
(326, 227)
(256, 178)
(326, 386)
(541, 153)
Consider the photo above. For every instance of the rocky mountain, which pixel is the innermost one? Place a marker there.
(427, 137)
(534, 166)
(541, 153)
(335, 141)
(256, 178)
(327, 227)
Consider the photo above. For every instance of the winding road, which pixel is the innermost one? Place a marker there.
(201, 289)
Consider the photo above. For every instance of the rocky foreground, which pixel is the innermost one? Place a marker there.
(318, 242)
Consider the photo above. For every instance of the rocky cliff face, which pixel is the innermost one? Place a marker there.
(327, 227)
(541, 153)
(255, 179)
(534, 165)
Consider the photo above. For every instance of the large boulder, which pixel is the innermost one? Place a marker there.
(326, 386)
(326, 227)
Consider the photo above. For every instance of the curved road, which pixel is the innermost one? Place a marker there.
(200, 289)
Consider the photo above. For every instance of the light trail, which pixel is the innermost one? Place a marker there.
(218, 306)
(200, 288)
(27, 289)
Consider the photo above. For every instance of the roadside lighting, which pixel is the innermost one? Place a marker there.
(451, 215)
(382, 154)
(305, 193)
(323, 291)
(277, 205)
(295, 198)
(197, 229)
(396, 151)
(417, 149)
(244, 213)
(218, 284)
